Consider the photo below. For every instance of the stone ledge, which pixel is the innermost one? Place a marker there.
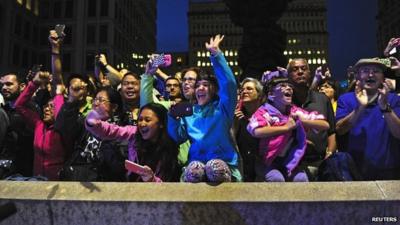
(183, 192)
(48, 203)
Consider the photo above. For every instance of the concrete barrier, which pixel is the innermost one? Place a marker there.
(179, 203)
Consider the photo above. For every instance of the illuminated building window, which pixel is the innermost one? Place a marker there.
(20, 2)
(236, 63)
(285, 53)
(236, 73)
(319, 61)
(290, 52)
(230, 53)
(179, 59)
(28, 4)
(309, 61)
(294, 41)
(323, 61)
(299, 52)
(314, 61)
(117, 66)
(318, 52)
(309, 52)
(198, 63)
(236, 53)
(290, 41)
(203, 54)
(198, 54)
(226, 53)
(122, 65)
(231, 63)
(208, 54)
(203, 64)
(208, 64)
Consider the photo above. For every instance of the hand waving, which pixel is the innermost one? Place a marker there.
(213, 45)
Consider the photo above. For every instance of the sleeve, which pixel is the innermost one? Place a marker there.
(146, 89)
(69, 123)
(146, 92)
(29, 115)
(58, 103)
(3, 126)
(108, 131)
(177, 130)
(227, 84)
(344, 107)
(260, 118)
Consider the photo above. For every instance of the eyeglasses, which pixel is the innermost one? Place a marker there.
(191, 79)
(367, 71)
(99, 100)
(297, 68)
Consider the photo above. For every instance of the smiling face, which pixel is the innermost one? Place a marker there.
(149, 125)
(204, 91)
(130, 89)
(48, 113)
(299, 72)
(249, 92)
(101, 103)
(188, 84)
(282, 94)
(370, 76)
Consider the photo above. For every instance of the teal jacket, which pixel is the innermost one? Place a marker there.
(208, 129)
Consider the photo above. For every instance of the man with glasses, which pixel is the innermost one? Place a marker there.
(369, 117)
(319, 144)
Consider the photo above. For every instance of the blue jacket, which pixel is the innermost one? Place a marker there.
(208, 129)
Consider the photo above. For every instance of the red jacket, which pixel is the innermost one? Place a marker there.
(49, 152)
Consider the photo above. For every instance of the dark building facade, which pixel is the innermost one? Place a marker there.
(388, 22)
(305, 22)
(124, 30)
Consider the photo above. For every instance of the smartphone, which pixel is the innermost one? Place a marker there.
(36, 68)
(134, 167)
(181, 109)
(162, 60)
(60, 30)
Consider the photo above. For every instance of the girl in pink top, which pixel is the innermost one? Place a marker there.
(280, 127)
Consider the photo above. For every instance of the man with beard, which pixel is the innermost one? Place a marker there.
(17, 145)
(369, 117)
(319, 144)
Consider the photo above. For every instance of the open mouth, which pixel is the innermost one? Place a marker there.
(130, 93)
(370, 81)
(144, 131)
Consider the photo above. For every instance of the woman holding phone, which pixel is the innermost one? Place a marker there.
(149, 143)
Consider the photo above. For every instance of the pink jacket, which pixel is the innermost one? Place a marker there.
(49, 155)
(271, 147)
(107, 131)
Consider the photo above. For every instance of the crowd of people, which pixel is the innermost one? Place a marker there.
(197, 126)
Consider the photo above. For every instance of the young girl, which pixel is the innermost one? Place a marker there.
(151, 146)
(280, 127)
(212, 154)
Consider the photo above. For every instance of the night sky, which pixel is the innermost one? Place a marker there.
(351, 27)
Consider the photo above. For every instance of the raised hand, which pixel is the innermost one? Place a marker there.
(93, 118)
(41, 78)
(55, 41)
(103, 59)
(77, 91)
(393, 43)
(150, 67)
(361, 94)
(213, 45)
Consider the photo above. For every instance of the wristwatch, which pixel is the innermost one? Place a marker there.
(387, 109)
